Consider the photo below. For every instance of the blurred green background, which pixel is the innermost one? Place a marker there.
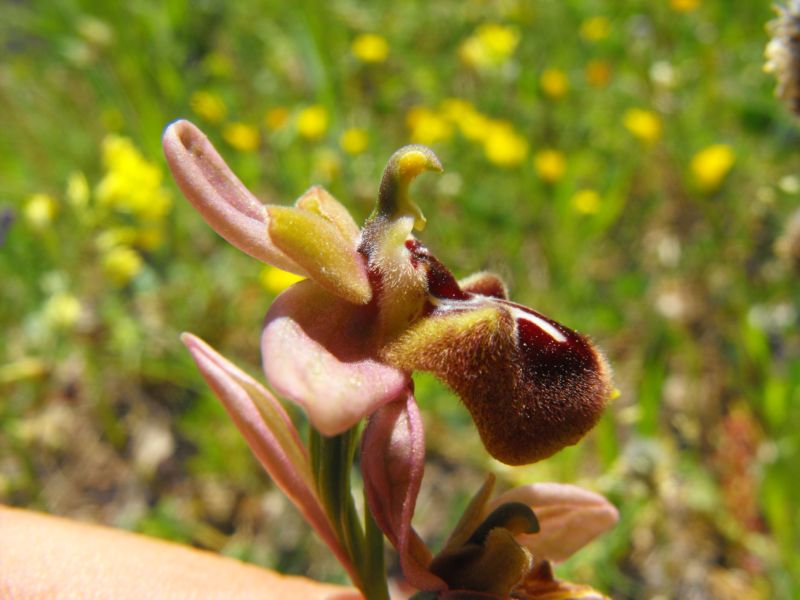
(623, 164)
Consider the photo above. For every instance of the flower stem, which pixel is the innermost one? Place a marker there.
(332, 461)
(375, 569)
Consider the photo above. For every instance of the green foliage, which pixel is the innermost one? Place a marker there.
(681, 265)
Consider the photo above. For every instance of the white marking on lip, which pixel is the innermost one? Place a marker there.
(548, 328)
(447, 305)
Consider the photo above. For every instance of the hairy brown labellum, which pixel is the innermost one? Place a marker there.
(531, 385)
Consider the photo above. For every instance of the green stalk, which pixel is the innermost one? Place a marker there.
(374, 567)
(332, 461)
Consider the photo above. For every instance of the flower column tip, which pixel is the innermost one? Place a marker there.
(403, 166)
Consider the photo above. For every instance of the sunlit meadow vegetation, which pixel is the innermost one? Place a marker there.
(623, 164)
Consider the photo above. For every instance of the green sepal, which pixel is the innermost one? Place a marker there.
(316, 244)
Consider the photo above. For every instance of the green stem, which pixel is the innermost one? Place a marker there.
(332, 461)
(375, 568)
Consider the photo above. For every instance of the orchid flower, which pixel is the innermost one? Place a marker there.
(343, 343)
(378, 305)
(498, 549)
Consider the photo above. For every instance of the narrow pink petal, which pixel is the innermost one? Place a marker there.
(219, 196)
(392, 463)
(270, 434)
(318, 350)
(569, 518)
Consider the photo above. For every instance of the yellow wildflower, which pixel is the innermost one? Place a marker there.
(149, 238)
(474, 126)
(62, 310)
(276, 118)
(490, 46)
(121, 264)
(77, 190)
(554, 83)
(115, 236)
(550, 165)
(503, 146)
(276, 280)
(39, 211)
(586, 201)
(370, 48)
(209, 106)
(598, 73)
(312, 122)
(643, 124)
(596, 28)
(427, 127)
(710, 166)
(354, 140)
(684, 5)
(455, 109)
(241, 136)
(131, 184)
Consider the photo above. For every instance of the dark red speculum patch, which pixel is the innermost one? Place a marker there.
(548, 359)
(441, 282)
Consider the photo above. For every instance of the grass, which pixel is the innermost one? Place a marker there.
(684, 275)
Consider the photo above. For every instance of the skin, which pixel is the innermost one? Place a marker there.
(42, 556)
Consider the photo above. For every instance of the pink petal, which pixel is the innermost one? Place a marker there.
(318, 350)
(569, 518)
(270, 434)
(392, 463)
(219, 196)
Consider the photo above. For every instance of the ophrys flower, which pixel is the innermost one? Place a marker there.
(377, 305)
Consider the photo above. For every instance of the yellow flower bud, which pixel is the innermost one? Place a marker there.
(121, 264)
(643, 124)
(39, 211)
(684, 5)
(550, 165)
(354, 140)
(209, 106)
(490, 46)
(598, 73)
(276, 117)
(503, 146)
(710, 166)
(427, 127)
(241, 136)
(77, 190)
(586, 202)
(370, 48)
(62, 310)
(595, 29)
(312, 122)
(554, 83)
